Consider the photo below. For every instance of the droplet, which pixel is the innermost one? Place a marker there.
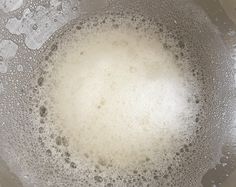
(35, 26)
(19, 68)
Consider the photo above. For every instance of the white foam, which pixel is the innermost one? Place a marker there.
(120, 97)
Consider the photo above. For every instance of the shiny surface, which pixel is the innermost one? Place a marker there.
(221, 14)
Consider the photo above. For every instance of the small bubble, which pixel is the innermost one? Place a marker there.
(176, 57)
(35, 27)
(181, 44)
(156, 177)
(109, 185)
(40, 81)
(40, 130)
(65, 142)
(144, 179)
(43, 111)
(98, 178)
(78, 27)
(67, 154)
(54, 47)
(197, 120)
(102, 162)
(135, 171)
(20, 68)
(49, 152)
(75, 8)
(165, 176)
(67, 160)
(73, 165)
(165, 46)
(41, 141)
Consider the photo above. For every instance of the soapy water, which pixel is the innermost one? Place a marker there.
(120, 95)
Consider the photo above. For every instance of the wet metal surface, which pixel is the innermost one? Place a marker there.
(21, 21)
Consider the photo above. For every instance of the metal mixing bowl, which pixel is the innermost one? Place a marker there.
(208, 27)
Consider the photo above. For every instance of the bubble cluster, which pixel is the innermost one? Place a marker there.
(117, 102)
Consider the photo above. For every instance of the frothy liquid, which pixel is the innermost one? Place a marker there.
(120, 97)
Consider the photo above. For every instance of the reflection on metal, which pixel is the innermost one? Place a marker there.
(40, 24)
(8, 50)
(10, 5)
(37, 25)
(230, 8)
(7, 178)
